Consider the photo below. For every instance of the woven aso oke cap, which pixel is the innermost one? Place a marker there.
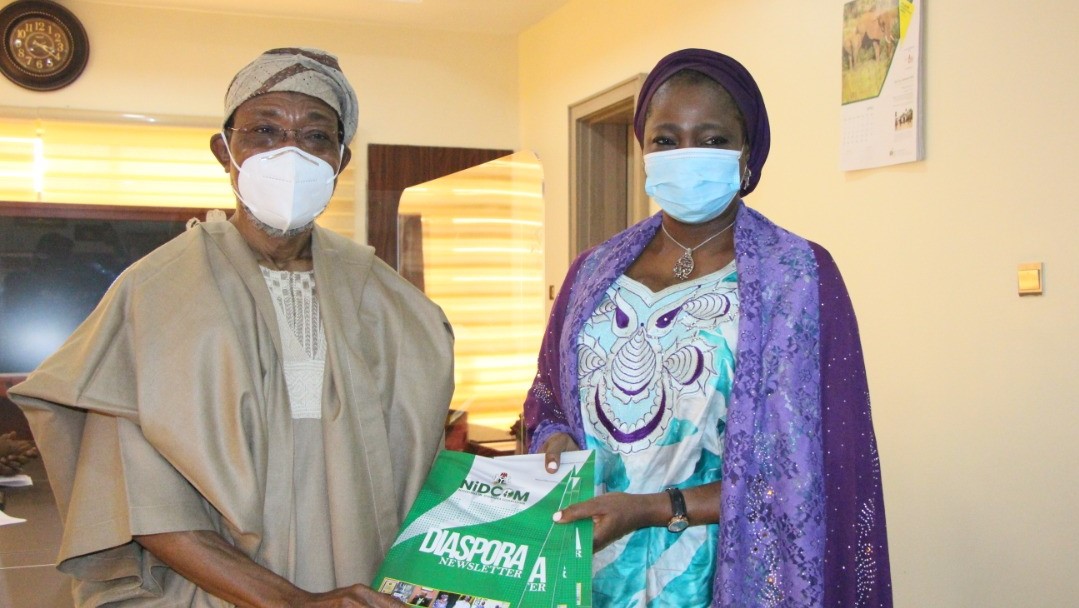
(297, 70)
(733, 77)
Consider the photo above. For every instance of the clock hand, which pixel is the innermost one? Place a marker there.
(48, 50)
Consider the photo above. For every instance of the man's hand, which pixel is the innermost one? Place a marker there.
(206, 559)
(356, 596)
(14, 453)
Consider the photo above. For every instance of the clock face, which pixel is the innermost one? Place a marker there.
(44, 45)
(40, 46)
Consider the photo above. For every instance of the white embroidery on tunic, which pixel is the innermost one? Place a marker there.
(302, 338)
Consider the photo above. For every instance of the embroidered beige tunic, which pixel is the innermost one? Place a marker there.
(168, 410)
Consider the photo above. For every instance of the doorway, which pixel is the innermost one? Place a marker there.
(606, 171)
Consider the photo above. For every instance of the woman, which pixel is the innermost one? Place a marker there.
(712, 360)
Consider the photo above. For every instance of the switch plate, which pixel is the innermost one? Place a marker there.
(1030, 279)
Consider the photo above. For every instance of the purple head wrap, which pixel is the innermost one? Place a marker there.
(733, 77)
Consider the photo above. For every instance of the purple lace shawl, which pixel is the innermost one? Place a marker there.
(802, 509)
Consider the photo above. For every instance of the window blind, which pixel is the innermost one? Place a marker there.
(483, 264)
(103, 162)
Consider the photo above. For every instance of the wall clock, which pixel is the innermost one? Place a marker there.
(44, 45)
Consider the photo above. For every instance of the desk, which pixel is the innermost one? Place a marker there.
(28, 578)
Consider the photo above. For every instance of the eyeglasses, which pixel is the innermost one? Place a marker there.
(267, 137)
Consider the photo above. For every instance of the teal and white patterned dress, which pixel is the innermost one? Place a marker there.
(655, 374)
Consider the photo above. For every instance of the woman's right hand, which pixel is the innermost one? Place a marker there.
(553, 448)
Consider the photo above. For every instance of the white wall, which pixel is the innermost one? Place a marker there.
(414, 87)
(975, 390)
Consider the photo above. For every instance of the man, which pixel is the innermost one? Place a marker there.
(14, 453)
(251, 410)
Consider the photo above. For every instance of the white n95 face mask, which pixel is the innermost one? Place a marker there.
(285, 188)
(693, 185)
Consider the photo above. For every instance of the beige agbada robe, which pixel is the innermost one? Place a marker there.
(167, 411)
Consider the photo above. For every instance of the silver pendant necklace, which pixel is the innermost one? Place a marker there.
(684, 267)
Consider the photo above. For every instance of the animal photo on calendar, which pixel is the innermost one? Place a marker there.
(870, 37)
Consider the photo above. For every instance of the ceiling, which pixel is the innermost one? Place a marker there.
(509, 17)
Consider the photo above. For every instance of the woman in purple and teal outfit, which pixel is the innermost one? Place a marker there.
(712, 361)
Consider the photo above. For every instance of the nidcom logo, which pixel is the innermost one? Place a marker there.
(500, 490)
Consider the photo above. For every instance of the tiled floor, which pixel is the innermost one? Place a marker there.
(28, 578)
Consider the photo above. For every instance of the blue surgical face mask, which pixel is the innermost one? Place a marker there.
(693, 185)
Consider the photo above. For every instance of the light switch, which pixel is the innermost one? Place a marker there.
(1030, 279)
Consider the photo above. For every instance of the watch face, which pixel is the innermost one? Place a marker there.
(40, 46)
(678, 524)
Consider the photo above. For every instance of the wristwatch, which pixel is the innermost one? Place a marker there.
(679, 521)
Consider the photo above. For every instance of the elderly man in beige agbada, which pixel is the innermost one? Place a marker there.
(250, 411)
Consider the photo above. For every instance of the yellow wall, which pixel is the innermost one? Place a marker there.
(414, 87)
(975, 390)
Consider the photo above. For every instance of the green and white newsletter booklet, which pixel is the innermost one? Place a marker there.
(480, 535)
